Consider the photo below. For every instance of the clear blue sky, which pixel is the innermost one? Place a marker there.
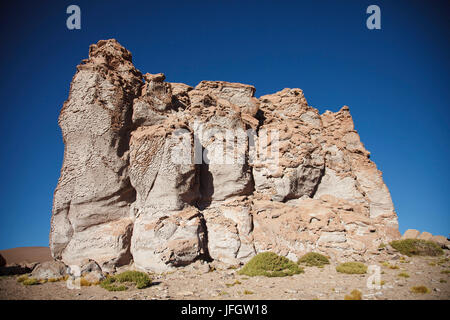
(395, 81)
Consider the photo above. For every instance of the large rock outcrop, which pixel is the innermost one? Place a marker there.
(163, 174)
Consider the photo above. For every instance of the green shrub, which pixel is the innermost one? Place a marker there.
(420, 289)
(417, 247)
(354, 295)
(313, 259)
(270, 264)
(22, 278)
(233, 284)
(248, 292)
(30, 282)
(403, 274)
(26, 281)
(140, 279)
(352, 268)
(109, 284)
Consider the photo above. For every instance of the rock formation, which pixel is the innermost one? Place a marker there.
(415, 234)
(147, 176)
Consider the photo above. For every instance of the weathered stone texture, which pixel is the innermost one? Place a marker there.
(94, 190)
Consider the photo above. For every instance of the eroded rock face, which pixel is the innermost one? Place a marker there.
(165, 239)
(148, 177)
(230, 227)
(301, 161)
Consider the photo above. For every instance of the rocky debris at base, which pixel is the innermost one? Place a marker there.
(323, 283)
(92, 272)
(17, 268)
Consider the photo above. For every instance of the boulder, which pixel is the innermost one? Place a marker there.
(90, 266)
(2, 261)
(425, 236)
(91, 272)
(411, 234)
(49, 270)
(442, 241)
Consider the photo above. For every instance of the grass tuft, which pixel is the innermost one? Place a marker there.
(233, 284)
(390, 266)
(420, 289)
(313, 259)
(87, 283)
(30, 282)
(140, 279)
(22, 278)
(417, 247)
(27, 281)
(109, 284)
(403, 274)
(352, 268)
(248, 292)
(270, 264)
(354, 295)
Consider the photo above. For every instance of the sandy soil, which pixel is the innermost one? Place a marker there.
(315, 283)
(26, 254)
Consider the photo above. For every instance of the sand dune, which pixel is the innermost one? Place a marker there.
(26, 254)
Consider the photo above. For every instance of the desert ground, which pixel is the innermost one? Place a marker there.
(201, 281)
